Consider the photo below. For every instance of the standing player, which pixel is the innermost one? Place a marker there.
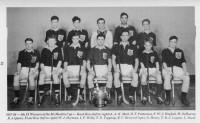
(101, 28)
(27, 69)
(125, 62)
(145, 34)
(121, 27)
(149, 63)
(55, 29)
(99, 62)
(83, 34)
(174, 64)
(50, 64)
(74, 65)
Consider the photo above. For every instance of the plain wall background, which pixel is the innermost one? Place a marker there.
(165, 21)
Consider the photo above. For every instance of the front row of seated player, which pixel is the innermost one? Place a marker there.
(99, 61)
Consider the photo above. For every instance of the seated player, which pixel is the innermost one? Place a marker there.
(99, 64)
(50, 65)
(74, 65)
(101, 28)
(149, 63)
(125, 62)
(27, 69)
(174, 64)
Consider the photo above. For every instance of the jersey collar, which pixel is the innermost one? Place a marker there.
(75, 46)
(98, 47)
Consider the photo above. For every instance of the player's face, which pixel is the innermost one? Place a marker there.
(101, 24)
(100, 41)
(124, 19)
(148, 46)
(77, 24)
(51, 42)
(60, 37)
(29, 45)
(173, 43)
(54, 24)
(75, 39)
(124, 36)
(146, 25)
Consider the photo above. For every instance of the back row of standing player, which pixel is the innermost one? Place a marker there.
(128, 47)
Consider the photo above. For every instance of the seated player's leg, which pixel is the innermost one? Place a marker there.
(167, 85)
(23, 75)
(16, 88)
(178, 72)
(109, 85)
(43, 75)
(117, 86)
(90, 81)
(67, 85)
(133, 87)
(56, 83)
(143, 78)
(158, 77)
(32, 85)
(82, 82)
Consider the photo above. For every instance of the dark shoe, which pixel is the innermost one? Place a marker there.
(185, 101)
(144, 100)
(131, 100)
(159, 100)
(30, 101)
(119, 100)
(15, 101)
(81, 98)
(167, 101)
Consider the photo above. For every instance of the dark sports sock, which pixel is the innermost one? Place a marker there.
(69, 91)
(17, 93)
(132, 90)
(183, 95)
(119, 91)
(46, 87)
(144, 90)
(168, 94)
(41, 88)
(159, 90)
(81, 90)
(32, 93)
(56, 88)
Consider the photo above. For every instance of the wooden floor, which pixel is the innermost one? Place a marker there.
(47, 105)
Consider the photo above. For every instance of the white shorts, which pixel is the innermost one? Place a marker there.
(73, 71)
(101, 70)
(177, 72)
(48, 71)
(24, 73)
(126, 69)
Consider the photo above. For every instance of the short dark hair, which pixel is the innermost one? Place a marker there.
(75, 34)
(75, 18)
(173, 37)
(54, 18)
(125, 30)
(146, 20)
(148, 40)
(101, 35)
(100, 19)
(61, 32)
(123, 13)
(52, 36)
(28, 39)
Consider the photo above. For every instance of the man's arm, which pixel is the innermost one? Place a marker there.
(136, 64)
